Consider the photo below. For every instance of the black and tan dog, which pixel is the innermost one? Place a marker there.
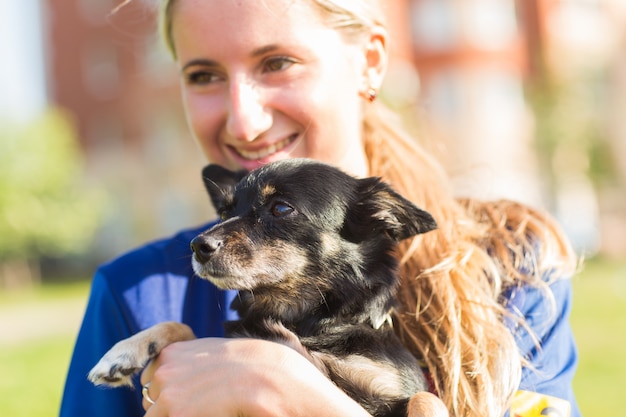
(310, 249)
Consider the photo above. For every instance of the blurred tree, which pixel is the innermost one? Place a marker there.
(46, 207)
(572, 146)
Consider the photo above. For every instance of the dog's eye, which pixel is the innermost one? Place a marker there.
(281, 209)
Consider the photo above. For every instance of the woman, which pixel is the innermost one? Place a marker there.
(484, 300)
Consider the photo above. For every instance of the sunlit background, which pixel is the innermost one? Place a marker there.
(520, 99)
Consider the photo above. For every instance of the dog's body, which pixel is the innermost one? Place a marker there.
(311, 251)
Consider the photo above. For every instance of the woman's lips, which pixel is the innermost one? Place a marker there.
(257, 154)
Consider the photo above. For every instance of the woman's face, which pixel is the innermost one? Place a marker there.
(267, 80)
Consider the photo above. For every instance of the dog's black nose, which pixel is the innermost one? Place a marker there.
(204, 246)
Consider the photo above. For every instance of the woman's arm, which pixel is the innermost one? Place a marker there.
(103, 325)
(241, 377)
(553, 362)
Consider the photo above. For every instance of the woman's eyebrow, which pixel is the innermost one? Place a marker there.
(211, 63)
(263, 50)
(200, 61)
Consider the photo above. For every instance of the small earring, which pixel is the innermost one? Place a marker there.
(370, 94)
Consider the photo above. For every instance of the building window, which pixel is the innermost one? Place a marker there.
(101, 74)
(434, 24)
(490, 24)
(441, 25)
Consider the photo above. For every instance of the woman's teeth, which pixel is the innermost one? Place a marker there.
(265, 152)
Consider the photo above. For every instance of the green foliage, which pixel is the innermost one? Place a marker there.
(45, 206)
(570, 132)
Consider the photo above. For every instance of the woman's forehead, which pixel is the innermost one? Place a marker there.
(231, 26)
(238, 13)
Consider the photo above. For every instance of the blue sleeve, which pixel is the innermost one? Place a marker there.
(103, 325)
(554, 358)
(148, 285)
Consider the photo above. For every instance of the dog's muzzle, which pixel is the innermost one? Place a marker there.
(204, 247)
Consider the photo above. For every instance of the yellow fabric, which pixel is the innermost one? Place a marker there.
(533, 404)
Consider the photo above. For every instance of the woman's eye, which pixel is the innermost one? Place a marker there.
(200, 78)
(277, 64)
(281, 209)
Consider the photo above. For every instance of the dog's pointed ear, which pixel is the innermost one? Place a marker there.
(220, 183)
(380, 208)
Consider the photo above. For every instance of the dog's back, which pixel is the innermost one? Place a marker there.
(311, 251)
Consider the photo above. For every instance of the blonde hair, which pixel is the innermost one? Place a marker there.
(452, 310)
(451, 306)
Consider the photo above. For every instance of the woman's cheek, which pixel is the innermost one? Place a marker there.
(203, 120)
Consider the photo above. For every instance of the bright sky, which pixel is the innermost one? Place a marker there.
(22, 69)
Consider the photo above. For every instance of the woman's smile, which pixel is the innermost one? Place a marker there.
(253, 157)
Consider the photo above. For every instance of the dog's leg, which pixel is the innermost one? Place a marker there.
(131, 355)
(425, 404)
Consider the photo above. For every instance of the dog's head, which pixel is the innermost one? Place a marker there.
(304, 236)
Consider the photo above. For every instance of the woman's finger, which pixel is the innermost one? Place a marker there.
(148, 372)
(149, 388)
(155, 411)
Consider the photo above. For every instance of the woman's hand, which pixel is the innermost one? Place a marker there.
(240, 377)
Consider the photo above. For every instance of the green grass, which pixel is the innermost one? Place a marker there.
(32, 377)
(33, 373)
(46, 292)
(599, 323)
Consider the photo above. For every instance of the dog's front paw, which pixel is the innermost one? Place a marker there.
(131, 355)
(117, 367)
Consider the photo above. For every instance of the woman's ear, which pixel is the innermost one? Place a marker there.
(376, 58)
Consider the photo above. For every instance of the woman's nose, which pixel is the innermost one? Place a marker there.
(248, 116)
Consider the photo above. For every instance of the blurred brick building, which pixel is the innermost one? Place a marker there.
(106, 68)
(109, 70)
(480, 65)
(472, 58)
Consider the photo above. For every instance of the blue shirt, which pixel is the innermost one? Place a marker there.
(156, 283)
